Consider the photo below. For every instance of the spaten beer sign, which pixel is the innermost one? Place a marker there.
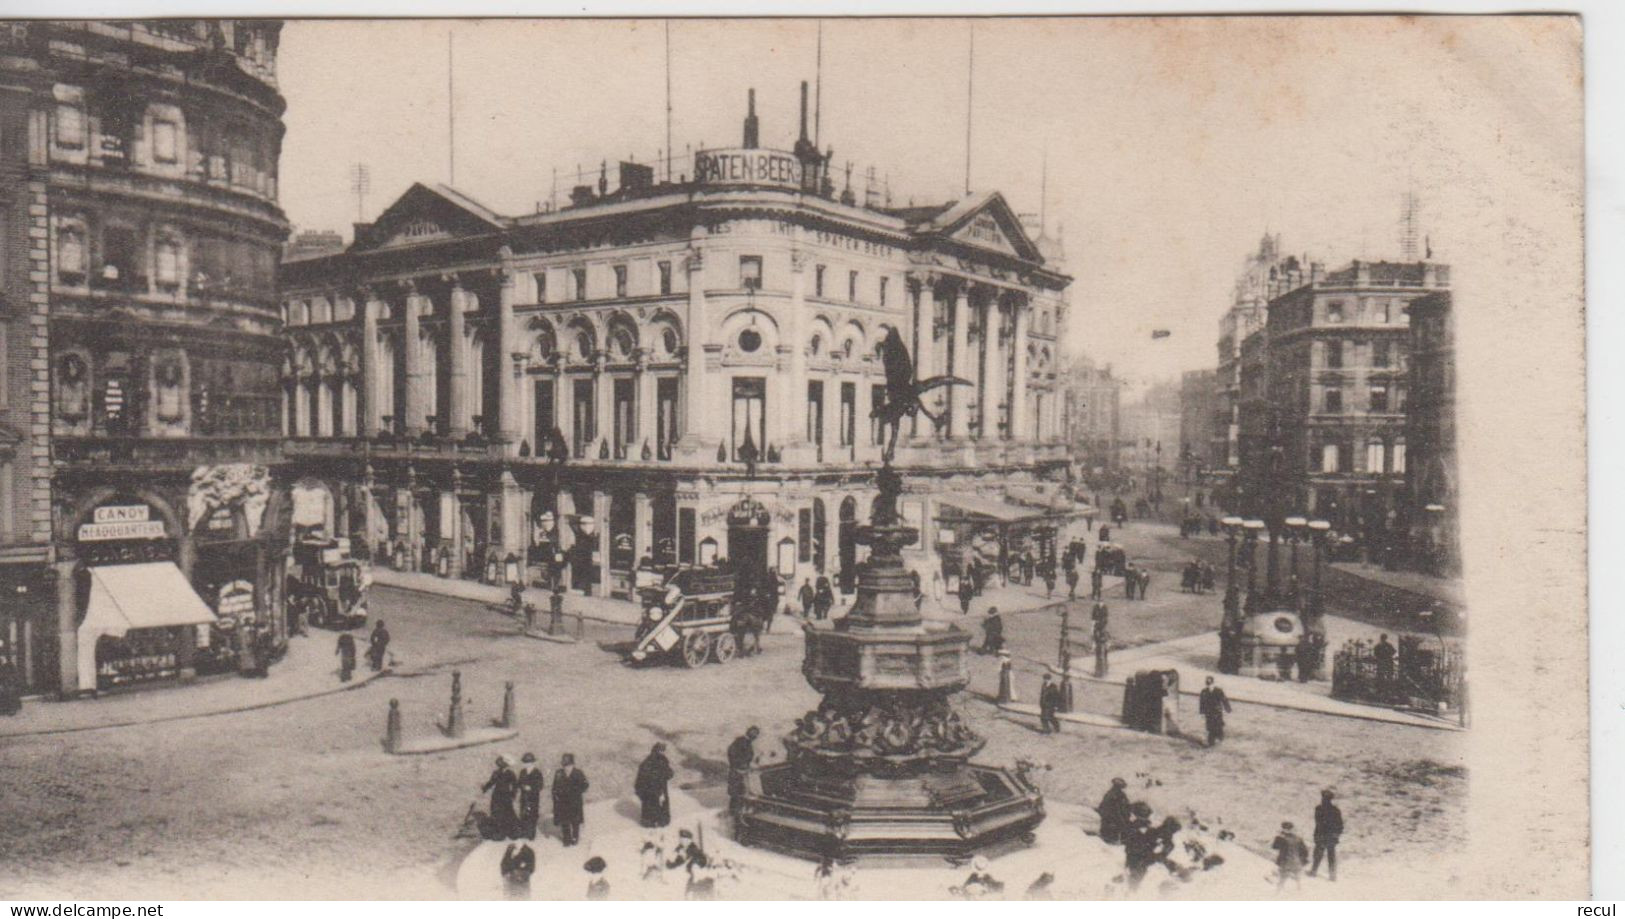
(747, 167)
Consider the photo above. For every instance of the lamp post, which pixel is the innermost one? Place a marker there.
(1295, 527)
(1252, 528)
(1232, 530)
(1317, 532)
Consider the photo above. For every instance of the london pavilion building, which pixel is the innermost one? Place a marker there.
(483, 395)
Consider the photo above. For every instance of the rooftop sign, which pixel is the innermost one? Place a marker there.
(747, 167)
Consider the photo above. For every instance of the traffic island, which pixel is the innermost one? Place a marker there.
(453, 733)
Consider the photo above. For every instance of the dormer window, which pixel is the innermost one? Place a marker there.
(750, 272)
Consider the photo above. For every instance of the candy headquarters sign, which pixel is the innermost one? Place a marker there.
(747, 167)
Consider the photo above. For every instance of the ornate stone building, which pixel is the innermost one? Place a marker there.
(602, 382)
(141, 349)
(1432, 475)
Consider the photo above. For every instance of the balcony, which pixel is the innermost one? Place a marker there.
(145, 453)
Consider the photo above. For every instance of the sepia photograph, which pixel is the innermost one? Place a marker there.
(929, 458)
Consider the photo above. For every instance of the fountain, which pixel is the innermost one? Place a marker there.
(882, 766)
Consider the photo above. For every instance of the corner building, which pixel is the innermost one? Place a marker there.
(139, 339)
(470, 392)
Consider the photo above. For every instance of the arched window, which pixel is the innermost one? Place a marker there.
(70, 255)
(167, 266)
(1399, 457)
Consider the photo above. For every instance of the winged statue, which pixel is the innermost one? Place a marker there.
(903, 391)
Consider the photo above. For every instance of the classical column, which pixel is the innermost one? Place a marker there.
(407, 510)
(509, 363)
(1019, 422)
(451, 514)
(515, 534)
(963, 367)
(696, 390)
(600, 512)
(410, 410)
(642, 527)
(645, 434)
(990, 375)
(457, 415)
(369, 511)
(67, 631)
(925, 307)
(792, 405)
(564, 407)
(603, 404)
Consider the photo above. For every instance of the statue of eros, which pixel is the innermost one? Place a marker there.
(903, 392)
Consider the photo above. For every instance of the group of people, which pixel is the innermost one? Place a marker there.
(1110, 559)
(516, 799)
(1128, 824)
(1136, 581)
(377, 651)
(816, 601)
(1291, 853)
(1197, 577)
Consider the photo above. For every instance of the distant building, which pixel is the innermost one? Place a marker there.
(1093, 410)
(1198, 411)
(1333, 424)
(1431, 476)
(310, 243)
(1259, 277)
(1151, 429)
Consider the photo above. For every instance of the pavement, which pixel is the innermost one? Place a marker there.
(309, 670)
(1195, 657)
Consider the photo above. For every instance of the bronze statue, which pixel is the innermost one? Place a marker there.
(903, 391)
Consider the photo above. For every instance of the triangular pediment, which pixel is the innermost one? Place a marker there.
(425, 215)
(989, 223)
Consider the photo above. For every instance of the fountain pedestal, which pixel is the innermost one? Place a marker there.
(882, 766)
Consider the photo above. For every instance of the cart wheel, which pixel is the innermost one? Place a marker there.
(750, 643)
(725, 648)
(696, 648)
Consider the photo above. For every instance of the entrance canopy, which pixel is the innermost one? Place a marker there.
(150, 595)
(997, 511)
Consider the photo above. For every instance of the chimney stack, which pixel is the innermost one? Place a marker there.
(750, 122)
(803, 137)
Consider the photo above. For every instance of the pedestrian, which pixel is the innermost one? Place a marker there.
(1131, 579)
(1214, 705)
(1328, 830)
(992, 632)
(502, 785)
(1049, 702)
(651, 786)
(825, 598)
(518, 864)
(1145, 581)
(1139, 843)
(1097, 581)
(967, 590)
(1113, 811)
(741, 757)
(1071, 582)
(1290, 854)
(598, 887)
(346, 653)
(1049, 581)
(1101, 637)
(530, 795)
(377, 646)
(808, 598)
(569, 791)
(1384, 654)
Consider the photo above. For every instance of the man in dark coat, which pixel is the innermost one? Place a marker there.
(967, 590)
(992, 632)
(1384, 655)
(569, 793)
(1049, 702)
(502, 784)
(530, 795)
(1113, 811)
(518, 864)
(650, 785)
(1328, 830)
(1139, 843)
(1072, 582)
(1214, 705)
(808, 598)
(741, 757)
(377, 646)
(1097, 582)
(346, 653)
(825, 598)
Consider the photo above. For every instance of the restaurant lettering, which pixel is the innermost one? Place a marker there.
(747, 167)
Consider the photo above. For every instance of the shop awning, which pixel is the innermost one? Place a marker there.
(992, 508)
(150, 595)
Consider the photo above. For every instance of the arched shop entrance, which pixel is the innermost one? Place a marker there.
(848, 545)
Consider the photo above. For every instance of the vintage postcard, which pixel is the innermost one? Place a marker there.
(849, 458)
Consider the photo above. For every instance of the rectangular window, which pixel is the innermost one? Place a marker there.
(165, 141)
(1379, 353)
(877, 397)
(804, 530)
(750, 272)
(849, 413)
(70, 126)
(1373, 456)
(1334, 312)
(541, 286)
(1333, 401)
(1399, 458)
(1334, 354)
(1379, 399)
(666, 416)
(626, 427)
(1400, 394)
(852, 286)
(749, 417)
(665, 277)
(818, 291)
(883, 284)
(168, 267)
(1380, 311)
(579, 275)
(1328, 458)
(620, 281)
(543, 418)
(583, 420)
(815, 415)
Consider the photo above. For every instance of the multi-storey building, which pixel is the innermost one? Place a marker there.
(1431, 474)
(604, 382)
(1338, 348)
(1198, 410)
(1253, 289)
(1094, 409)
(140, 349)
(1150, 429)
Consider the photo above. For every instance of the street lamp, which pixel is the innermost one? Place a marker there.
(1232, 530)
(1317, 532)
(1253, 528)
(1295, 527)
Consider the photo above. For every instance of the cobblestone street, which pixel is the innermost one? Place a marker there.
(301, 794)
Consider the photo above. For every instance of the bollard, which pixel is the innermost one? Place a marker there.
(508, 714)
(556, 605)
(1101, 650)
(1007, 679)
(530, 617)
(454, 718)
(581, 626)
(1066, 690)
(392, 728)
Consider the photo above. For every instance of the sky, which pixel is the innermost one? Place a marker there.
(1161, 149)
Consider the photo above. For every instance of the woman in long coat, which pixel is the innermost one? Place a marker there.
(502, 785)
(653, 774)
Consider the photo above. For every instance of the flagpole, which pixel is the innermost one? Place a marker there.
(668, 100)
(451, 112)
(970, 99)
(818, 88)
